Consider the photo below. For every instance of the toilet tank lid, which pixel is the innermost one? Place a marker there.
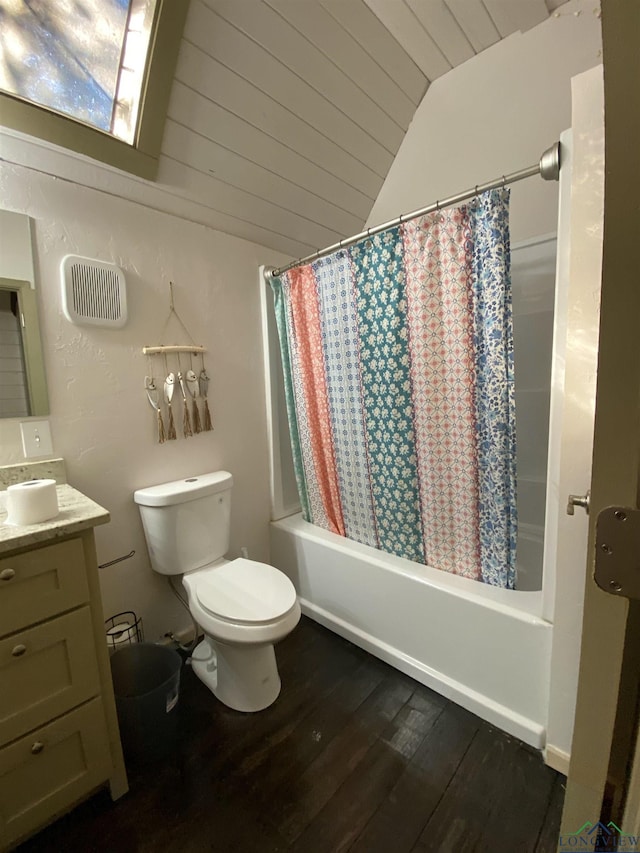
(181, 491)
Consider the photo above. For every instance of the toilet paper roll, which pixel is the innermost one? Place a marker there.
(32, 502)
(123, 632)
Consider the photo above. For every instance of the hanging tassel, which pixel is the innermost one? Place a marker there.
(162, 436)
(171, 429)
(169, 383)
(186, 420)
(197, 426)
(204, 390)
(154, 399)
(194, 390)
(208, 426)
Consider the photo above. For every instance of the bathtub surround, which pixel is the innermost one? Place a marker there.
(409, 445)
(534, 283)
(431, 163)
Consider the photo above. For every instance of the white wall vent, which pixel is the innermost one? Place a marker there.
(93, 292)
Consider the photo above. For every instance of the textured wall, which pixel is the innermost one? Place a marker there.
(493, 115)
(100, 419)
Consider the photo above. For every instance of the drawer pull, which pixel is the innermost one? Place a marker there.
(7, 574)
(37, 747)
(18, 650)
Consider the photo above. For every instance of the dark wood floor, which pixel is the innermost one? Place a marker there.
(353, 756)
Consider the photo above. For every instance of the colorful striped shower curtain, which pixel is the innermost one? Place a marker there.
(398, 368)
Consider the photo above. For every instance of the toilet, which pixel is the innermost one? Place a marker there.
(242, 606)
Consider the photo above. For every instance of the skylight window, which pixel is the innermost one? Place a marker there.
(83, 58)
(92, 76)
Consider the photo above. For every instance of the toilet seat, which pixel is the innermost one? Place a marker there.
(244, 592)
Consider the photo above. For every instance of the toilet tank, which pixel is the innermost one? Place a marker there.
(186, 522)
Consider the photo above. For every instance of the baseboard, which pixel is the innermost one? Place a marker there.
(503, 718)
(558, 759)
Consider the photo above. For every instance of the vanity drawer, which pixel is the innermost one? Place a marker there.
(46, 671)
(51, 769)
(40, 583)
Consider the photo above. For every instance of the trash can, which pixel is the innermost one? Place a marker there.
(146, 684)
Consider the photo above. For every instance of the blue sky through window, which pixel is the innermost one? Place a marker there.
(67, 55)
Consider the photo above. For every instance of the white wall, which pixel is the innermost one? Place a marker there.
(15, 247)
(100, 419)
(493, 115)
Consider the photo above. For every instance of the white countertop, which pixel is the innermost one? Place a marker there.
(76, 512)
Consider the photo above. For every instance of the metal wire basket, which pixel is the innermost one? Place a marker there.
(123, 629)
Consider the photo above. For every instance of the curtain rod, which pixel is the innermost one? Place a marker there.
(548, 168)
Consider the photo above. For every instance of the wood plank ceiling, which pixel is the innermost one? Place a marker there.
(285, 115)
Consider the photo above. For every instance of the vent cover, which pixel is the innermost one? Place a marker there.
(93, 292)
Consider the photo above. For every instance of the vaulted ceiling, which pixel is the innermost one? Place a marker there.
(285, 115)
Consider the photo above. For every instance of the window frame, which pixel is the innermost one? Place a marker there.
(33, 359)
(141, 157)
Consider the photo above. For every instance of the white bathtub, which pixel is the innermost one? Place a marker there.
(486, 649)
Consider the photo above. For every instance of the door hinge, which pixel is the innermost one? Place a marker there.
(618, 551)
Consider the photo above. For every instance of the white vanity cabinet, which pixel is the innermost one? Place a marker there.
(59, 738)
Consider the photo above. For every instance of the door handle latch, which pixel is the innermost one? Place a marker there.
(578, 500)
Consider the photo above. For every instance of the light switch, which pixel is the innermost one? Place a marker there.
(36, 438)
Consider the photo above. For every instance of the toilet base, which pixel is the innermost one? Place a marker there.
(244, 678)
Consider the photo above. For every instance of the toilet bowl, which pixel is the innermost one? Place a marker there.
(243, 606)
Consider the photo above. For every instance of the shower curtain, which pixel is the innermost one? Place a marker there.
(398, 368)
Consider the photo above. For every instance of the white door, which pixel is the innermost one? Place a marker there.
(573, 392)
(606, 713)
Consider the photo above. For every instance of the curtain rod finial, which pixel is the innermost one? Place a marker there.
(550, 163)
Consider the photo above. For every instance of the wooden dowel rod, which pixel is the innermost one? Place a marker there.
(173, 348)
